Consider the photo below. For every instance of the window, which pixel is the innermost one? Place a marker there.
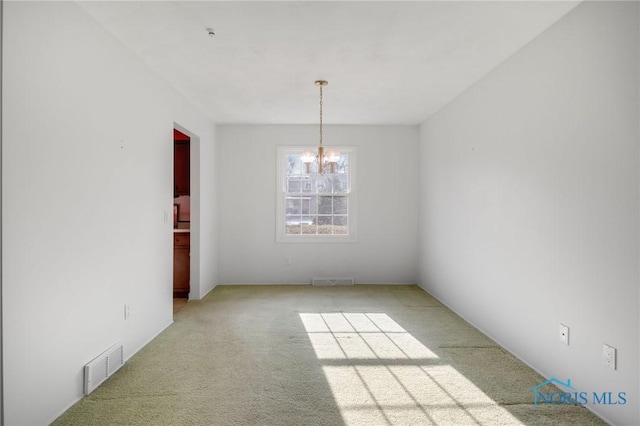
(312, 206)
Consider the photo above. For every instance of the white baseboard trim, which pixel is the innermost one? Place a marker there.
(309, 284)
(490, 336)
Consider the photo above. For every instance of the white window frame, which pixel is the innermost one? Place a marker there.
(281, 236)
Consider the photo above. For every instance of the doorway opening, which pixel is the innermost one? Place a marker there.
(181, 218)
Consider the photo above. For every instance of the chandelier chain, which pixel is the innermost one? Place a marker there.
(320, 114)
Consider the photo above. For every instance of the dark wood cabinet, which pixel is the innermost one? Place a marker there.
(181, 168)
(181, 245)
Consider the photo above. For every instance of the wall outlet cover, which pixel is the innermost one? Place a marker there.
(609, 356)
(564, 334)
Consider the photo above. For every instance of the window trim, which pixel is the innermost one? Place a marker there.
(281, 237)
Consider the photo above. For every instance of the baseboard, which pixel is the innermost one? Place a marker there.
(545, 376)
(205, 294)
(149, 340)
(273, 284)
(309, 284)
(75, 401)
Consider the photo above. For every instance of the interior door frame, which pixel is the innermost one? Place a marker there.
(194, 197)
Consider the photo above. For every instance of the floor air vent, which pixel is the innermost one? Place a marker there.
(332, 281)
(103, 366)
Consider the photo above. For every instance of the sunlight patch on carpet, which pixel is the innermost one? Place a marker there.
(377, 371)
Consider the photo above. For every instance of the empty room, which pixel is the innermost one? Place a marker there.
(320, 212)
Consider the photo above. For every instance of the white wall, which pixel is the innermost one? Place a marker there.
(87, 179)
(529, 197)
(386, 195)
(204, 236)
(204, 217)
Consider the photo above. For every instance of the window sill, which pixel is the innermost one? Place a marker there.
(316, 239)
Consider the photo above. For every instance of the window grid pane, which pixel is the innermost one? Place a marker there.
(311, 208)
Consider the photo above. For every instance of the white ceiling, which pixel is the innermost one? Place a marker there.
(386, 62)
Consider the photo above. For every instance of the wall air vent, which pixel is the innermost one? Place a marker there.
(103, 366)
(332, 281)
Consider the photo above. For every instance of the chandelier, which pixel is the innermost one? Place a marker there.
(332, 156)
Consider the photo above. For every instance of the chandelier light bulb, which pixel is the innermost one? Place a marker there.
(308, 156)
(333, 155)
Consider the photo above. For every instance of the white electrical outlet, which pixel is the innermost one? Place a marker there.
(564, 334)
(127, 311)
(609, 356)
(288, 261)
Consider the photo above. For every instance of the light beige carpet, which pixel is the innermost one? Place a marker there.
(302, 355)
